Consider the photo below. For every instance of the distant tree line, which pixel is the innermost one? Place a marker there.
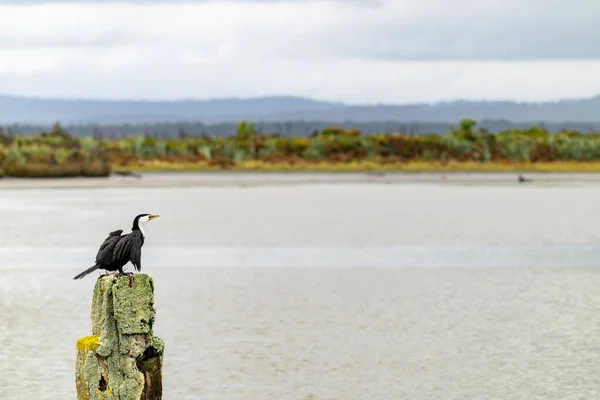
(285, 128)
(56, 152)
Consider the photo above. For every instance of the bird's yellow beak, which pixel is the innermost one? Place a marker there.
(150, 218)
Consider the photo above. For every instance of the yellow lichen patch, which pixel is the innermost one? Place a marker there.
(88, 343)
(101, 394)
(80, 381)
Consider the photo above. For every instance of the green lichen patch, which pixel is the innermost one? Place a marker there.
(134, 304)
(132, 387)
(102, 303)
(105, 395)
(157, 343)
(80, 381)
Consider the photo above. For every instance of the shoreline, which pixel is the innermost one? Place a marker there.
(364, 166)
(169, 179)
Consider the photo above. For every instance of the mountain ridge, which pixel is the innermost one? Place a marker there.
(46, 110)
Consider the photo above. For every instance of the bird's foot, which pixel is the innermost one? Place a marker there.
(126, 273)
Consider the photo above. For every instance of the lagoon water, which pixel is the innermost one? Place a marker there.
(290, 288)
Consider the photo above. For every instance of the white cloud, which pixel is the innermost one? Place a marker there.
(352, 51)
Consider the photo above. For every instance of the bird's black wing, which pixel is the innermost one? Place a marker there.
(105, 253)
(136, 252)
(129, 248)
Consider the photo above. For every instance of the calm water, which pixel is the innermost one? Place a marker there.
(360, 290)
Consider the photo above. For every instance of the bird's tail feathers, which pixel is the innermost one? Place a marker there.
(87, 271)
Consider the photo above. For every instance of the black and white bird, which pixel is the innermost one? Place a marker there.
(117, 249)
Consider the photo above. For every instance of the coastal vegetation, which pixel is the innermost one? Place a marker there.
(178, 129)
(466, 147)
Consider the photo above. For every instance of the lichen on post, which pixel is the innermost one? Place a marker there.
(122, 359)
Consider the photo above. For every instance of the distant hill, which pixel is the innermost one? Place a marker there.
(15, 109)
(24, 110)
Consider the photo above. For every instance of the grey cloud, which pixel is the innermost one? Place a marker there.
(384, 30)
(106, 39)
(40, 2)
(471, 30)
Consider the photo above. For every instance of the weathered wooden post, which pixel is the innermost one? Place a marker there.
(122, 359)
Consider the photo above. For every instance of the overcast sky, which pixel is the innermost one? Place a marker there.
(347, 50)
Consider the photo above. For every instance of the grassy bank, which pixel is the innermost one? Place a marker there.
(464, 149)
(365, 166)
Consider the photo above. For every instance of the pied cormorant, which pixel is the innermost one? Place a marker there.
(117, 249)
